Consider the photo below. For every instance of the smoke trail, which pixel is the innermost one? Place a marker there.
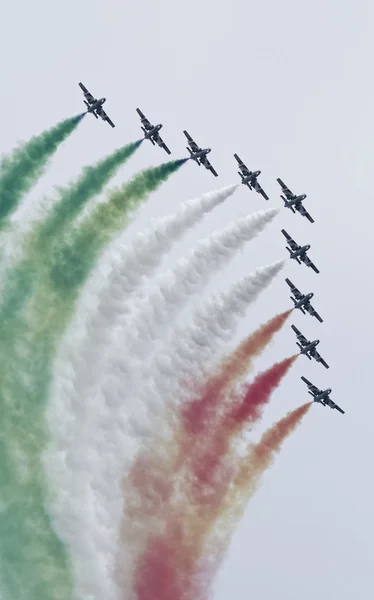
(24, 166)
(75, 196)
(185, 367)
(46, 235)
(190, 526)
(115, 297)
(258, 458)
(124, 370)
(157, 312)
(76, 377)
(72, 261)
(244, 484)
(191, 275)
(245, 408)
(68, 262)
(26, 370)
(198, 414)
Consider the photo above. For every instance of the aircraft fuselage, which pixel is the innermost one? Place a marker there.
(250, 177)
(96, 105)
(300, 252)
(200, 154)
(303, 301)
(149, 134)
(294, 201)
(309, 347)
(323, 396)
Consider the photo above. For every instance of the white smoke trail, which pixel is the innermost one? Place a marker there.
(126, 365)
(191, 352)
(155, 315)
(87, 338)
(215, 324)
(124, 283)
(94, 426)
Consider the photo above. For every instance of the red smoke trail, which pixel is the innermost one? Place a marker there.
(259, 458)
(168, 568)
(198, 414)
(173, 565)
(246, 409)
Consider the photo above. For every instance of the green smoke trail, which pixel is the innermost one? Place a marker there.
(75, 197)
(25, 165)
(33, 561)
(49, 233)
(71, 263)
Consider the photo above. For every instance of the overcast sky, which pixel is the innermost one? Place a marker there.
(289, 87)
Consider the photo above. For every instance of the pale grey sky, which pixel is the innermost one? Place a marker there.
(288, 86)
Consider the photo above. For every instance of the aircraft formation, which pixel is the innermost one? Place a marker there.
(250, 179)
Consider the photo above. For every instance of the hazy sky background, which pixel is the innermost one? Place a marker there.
(289, 87)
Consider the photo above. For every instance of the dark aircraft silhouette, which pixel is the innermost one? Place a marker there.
(321, 396)
(302, 301)
(94, 105)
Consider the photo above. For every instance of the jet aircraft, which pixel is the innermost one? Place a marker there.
(249, 178)
(199, 154)
(302, 301)
(294, 202)
(151, 132)
(297, 252)
(94, 105)
(309, 348)
(322, 396)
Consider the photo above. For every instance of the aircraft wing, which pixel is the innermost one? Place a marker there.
(313, 388)
(146, 124)
(302, 339)
(332, 404)
(306, 260)
(294, 290)
(316, 355)
(291, 242)
(89, 97)
(208, 166)
(303, 211)
(259, 189)
(105, 117)
(286, 190)
(160, 142)
(309, 308)
(242, 166)
(192, 144)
